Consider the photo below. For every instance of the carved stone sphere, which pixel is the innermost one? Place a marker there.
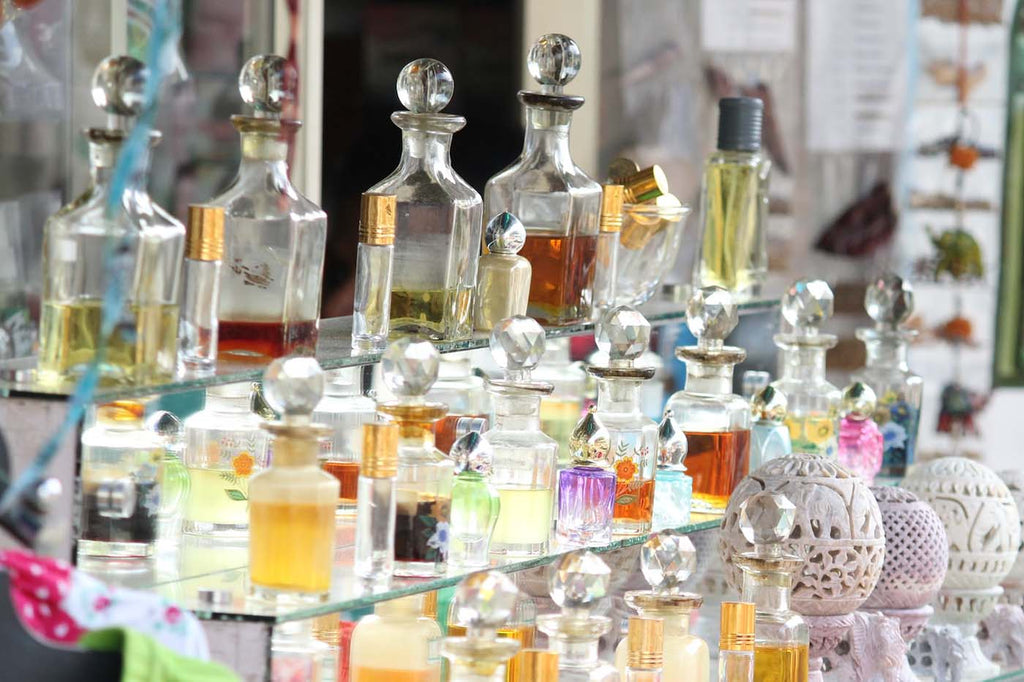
(838, 532)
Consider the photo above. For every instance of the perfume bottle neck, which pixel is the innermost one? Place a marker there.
(517, 413)
(415, 436)
(574, 653)
(887, 353)
(710, 379)
(677, 623)
(618, 396)
(428, 151)
(547, 134)
(265, 154)
(768, 591)
(804, 364)
(295, 452)
(103, 158)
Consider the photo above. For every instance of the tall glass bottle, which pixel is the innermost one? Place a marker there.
(667, 559)
(475, 502)
(556, 200)
(204, 247)
(525, 459)
(374, 559)
(813, 416)
(425, 475)
(396, 644)
(561, 409)
(291, 504)
(715, 420)
(147, 246)
(371, 310)
(673, 488)
(485, 601)
(438, 220)
(780, 634)
(224, 447)
(578, 582)
(860, 441)
(769, 436)
(889, 301)
(345, 409)
(586, 490)
(503, 287)
(736, 643)
(606, 268)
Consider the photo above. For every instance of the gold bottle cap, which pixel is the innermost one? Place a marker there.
(380, 450)
(645, 185)
(537, 665)
(737, 627)
(204, 238)
(646, 642)
(377, 219)
(611, 208)
(430, 604)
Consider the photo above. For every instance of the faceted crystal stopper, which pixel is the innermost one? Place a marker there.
(807, 304)
(119, 85)
(293, 386)
(517, 345)
(425, 86)
(485, 600)
(667, 559)
(624, 333)
(769, 403)
(168, 426)
(672, 445)
(711, 314)
(859, 401)
(505, 234)
(889, 300)
(410, 366)
(472, 452)
(579, 579)
(267, 83)
(767, 518)
(590, 442)
(554, 60)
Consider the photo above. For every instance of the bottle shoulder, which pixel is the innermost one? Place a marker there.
(421, 184)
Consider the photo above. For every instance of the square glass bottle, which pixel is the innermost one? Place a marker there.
(586, 490)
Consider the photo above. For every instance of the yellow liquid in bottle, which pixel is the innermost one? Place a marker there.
(780, 663)
(525, 517)
(558, 418)
(291, 546)
(217, 496)
(431, 312)
(363, 674)
(732, 243)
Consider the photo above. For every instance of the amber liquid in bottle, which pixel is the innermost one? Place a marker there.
(780, 663)
(524, 634)
(717, 461)
(448, 429)
(283, 533)
(563, 276)
(347, 474)
(264, 341)
(634, 500)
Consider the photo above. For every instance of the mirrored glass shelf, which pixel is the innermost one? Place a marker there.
(334, 350)
(199, 564)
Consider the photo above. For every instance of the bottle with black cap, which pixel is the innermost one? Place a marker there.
(734, 201)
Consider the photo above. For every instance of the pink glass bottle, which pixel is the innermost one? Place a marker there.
(860, 440)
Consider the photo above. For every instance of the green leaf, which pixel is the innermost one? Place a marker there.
(236, 495)
(625, 499)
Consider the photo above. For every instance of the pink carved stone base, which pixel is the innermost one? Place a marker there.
(826, 634)
(911, 621)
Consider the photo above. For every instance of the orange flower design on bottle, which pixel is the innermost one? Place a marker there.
(626, 469)
(243, 464)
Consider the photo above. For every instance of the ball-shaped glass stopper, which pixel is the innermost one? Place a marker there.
(859, 401)
(517, 343)
(267, 83)
(808, 303)
(624, 333)
(672, 444)
(769, 403)
(410, 366)
(425, 86)
(711, 313)
(293, 386)
(472, 452)
(505, 234)
(119, 85)
(485, 599)
(667, 559)
(767, 518)
(579, 579)
(554, 59)
(889, 300)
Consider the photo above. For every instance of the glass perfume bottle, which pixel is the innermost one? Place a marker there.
(753, 381)
(860, 441)
(371, 310)
(463, 391)
(374, 559)
(483, 602)
(274, 238)
(606, 267)
(503, 283)
(578, 582)
(397, 643)
(734, 203)
(204, 248)
(736, 643)
(525, 459)
(437, 230)
(425, 475)
(813, 403)
(673, 488)
(667, 559)
(715, 420)
(142, 347)
(624, 334)
(538, 665)
(645, 642)
(345, 409)
(174, 483)
(555, 199)
(781, 635)
(120, 483)
(889, 301)
(475, 502)
(291, 504)
(521, 627)
(769, 436)
(586, 491)
(560, 410)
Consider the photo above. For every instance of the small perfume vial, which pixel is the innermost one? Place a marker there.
(371, 311)
(606, 265)
(485, 601)
(860, 441)
(736, 642)
(375, 508)
(769, 435)
(503, 281)
(645, 640)
(586, 491)
(538, 665)
(475, 502)
(673, 489)
(204, 247)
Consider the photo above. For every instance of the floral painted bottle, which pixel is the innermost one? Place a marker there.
(860, 441)
(425, 475)
(475, 502)
(673, 488)
(769, 436)
(889, 301)
(586, 490)
(485, 602)
(813, 414)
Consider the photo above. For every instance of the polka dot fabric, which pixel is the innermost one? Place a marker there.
(38, 584)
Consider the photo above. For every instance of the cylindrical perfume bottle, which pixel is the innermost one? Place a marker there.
(562, 225)
(538, 665)
(475, 502)
(204, 247)
(371, 310)
(586, 491)
(503, 283)
(345, 409)
(375, 514)
(860, 442)
(769, 435)
(715, 420)
(425, 475)
(120, 483)
(606, 266)
(224, 447)
(291, 504)
(483, 602)
(645, 641)
(734, 203)
(736, 643)
(673, 488)
(396, 644)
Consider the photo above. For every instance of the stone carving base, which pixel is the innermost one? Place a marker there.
(1001, 636)
(911, 621)
(873, 650)
(826, 634)
(950, 653)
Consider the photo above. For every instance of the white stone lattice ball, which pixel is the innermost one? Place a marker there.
(1014, 480)
(838, 531)
(916, 551)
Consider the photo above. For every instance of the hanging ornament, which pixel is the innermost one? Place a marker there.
(958, 406)
(958, 255)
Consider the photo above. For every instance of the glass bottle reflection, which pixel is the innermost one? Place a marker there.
(475, 502)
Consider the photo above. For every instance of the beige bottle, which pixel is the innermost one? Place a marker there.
(396, 644)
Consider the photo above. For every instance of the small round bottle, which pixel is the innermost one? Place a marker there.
(861, 444)
(396, 642)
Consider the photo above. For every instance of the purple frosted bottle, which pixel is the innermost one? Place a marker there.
(586, 492)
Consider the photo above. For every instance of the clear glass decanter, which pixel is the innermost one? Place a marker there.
(769, 435)
(475, 502)
(673, 488)
(860, 440)
(715, 420)
(813, 416)
(578, 582)
(780, 634)
(484, 602)
(554, 198)
(561, 409)
(425, 474)
(439, 216)
(274, 238)
(345, 409)
(147, 247)
(667, 559)
(586, 490)
(889, 301)
(525, 459)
